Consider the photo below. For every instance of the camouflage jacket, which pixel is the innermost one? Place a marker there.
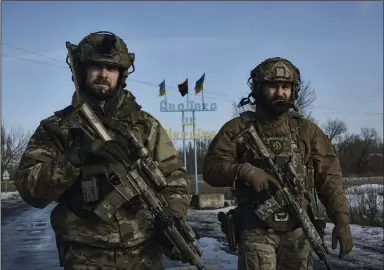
(43, 179)
(222, 160)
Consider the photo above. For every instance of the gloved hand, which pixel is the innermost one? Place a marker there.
(343, 235)
(91, 152)
(99, 152)
(255, 177)
(160, 225)
(172, 253)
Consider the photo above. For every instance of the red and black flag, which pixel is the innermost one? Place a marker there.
(183, 88)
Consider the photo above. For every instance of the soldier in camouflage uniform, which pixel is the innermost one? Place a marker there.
(278, 243)
(58, 163)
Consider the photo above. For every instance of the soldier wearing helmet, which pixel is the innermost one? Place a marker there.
(65, 166)
(278, 242)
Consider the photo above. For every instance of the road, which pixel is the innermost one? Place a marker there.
(28, 242)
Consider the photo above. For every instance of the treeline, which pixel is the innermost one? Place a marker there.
(360, 154)
(201, 151)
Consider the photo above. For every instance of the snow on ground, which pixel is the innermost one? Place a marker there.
(365, 188)
(368, 249)
(368, 245)
(9, 195)
(369, 195)
(214, 257)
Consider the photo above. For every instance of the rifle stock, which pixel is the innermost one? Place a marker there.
(284, 195)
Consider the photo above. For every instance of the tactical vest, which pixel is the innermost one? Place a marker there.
(282, 149)
(95, 179)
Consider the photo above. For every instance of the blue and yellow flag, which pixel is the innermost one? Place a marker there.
(199, 84)
(162, 89)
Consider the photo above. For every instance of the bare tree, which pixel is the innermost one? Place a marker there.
(236, 111)
(371, 140)
(360, 154)
(306, 98)
(308, 116)
(344, 141)
(13, 143)
(334, 128)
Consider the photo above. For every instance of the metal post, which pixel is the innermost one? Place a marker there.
(184, 150)
(195, 150)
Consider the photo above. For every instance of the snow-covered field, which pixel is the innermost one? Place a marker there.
(369, 195)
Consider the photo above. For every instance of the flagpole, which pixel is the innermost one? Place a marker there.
(202, 98)
(187, 101)
(165, 97)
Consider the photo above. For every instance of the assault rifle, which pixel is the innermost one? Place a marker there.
(286, 178)
(133, 180)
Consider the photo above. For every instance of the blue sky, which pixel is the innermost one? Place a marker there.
(337, 46)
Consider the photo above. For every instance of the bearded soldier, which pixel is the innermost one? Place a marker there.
(288, 136)
(63, 165)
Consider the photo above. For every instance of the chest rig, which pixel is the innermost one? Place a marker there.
(282, 149)
(92, 195)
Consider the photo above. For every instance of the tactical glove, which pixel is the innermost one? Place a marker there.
(255, 177)
(161, 224)
(91, 152)
(343, 235)
(99, 152)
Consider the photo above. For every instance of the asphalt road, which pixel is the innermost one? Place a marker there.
(28, 242)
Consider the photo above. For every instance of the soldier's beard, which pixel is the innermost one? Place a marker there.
(101, 89)
(101, 85)
(275, 106)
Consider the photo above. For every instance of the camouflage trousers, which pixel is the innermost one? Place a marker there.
(260, 250)
(75, 256)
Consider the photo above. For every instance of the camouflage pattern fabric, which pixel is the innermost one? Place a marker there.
(276, 69)
(222, 161)
(257, 251)
(104, 47)
(81, 257)
(44, 177)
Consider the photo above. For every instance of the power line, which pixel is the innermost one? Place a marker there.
(35, 53)
(52, 58)
(172, 87)
(343, 110)
(30, 60)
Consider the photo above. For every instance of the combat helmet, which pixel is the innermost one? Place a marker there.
(106, 48)
(276, 69)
